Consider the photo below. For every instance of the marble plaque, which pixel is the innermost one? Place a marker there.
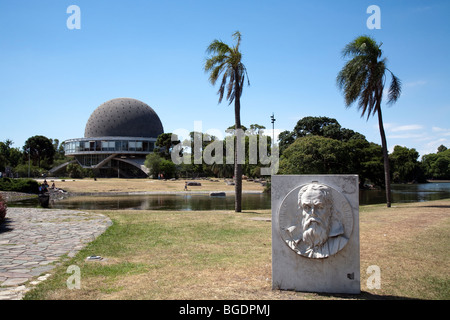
(315, 233)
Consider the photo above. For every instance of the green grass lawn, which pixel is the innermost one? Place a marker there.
(226, 255)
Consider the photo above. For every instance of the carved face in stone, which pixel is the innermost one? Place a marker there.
(315, 203)
(315, 220)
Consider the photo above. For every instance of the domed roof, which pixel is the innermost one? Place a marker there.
(123, 117)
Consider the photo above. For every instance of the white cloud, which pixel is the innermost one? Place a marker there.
(394, 127)
(406, 127)
(406, 136)
(432, 146)
(442, 131)
(420, 137)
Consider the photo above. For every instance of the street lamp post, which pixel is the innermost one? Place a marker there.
(272, 117)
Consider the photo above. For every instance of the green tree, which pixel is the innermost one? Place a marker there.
(231, 129)
(167, 168)
(366, 159)
(74, 170)
(404, 165)
(362, 79)
(9, 156)
(314, 155)
(318, 126)
(285, 139)
(40, 148)
(441, 148)
(437, 165)
(153, 163)
(251, 140)
(165, 144)
(226, 61)
(256, 129)
(59, 149)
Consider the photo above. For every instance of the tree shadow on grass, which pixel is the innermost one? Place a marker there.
(437, 206)
(364, 295)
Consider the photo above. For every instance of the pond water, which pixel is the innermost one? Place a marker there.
(250, 201)
(408, 193)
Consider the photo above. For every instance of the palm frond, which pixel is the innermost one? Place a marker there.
(218, 47)
(216, 72)
(214, 60)
(362, 77)
(243, 72)
(231, 89)
(351, 79)
(225, 63)
(395, 89)
(237, 36)
(362, 46)
(221, 91)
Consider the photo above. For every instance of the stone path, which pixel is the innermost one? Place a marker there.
(32, 240)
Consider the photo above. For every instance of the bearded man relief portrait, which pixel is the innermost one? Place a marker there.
(315, 228)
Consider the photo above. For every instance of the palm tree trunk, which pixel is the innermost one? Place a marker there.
(387, 176)
(237, 166)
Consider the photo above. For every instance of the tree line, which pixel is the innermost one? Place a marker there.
(159, 162)
(319, 145)
(38, 155)
(316, 145)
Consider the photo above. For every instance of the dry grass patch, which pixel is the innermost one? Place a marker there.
(115, 185)
(409, 243)
(225, 255)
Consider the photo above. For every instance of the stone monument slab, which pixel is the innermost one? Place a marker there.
(315, 233)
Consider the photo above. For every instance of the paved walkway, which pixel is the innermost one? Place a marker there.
(32, 240)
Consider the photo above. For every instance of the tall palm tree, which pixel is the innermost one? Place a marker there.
(362, 79)
(225, 61)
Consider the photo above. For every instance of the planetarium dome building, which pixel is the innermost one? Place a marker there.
(118, 136)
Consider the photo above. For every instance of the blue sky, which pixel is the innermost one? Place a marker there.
(52, 78)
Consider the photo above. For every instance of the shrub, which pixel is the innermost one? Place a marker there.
(19, 185)
(3, 208)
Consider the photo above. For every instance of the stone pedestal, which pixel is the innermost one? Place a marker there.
(315, 233)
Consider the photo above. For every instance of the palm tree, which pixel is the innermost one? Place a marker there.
(363, 79)
(225, 61)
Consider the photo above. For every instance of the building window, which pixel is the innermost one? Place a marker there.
(108, 145)
(131, 145)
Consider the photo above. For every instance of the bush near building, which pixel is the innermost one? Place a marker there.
(19, 185)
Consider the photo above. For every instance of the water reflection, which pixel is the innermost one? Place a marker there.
(183, 202)
(178, 202)
(407, 193)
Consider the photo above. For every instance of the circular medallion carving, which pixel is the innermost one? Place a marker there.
(315, 220)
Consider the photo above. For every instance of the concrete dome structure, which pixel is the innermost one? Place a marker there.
(118, 136)
(123, 117)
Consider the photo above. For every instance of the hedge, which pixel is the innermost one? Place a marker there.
(19, 185)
